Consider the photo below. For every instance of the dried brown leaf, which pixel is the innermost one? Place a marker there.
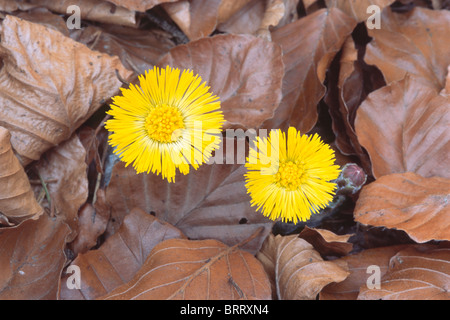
(244, 71)
(357, 266)
(196, 270)
(414, 274)
(45, 99)
(32, 258)
(297, 271)
(196, 18)
(229, 8)
(66, 164)
(409, 202)
(139, 5)
(347, 89)
(120, 256)
(307, 56)
(94, 10)
(245, 21)
(138, 50)
(209, 203)
(404, 127)
(327, 243)
(92, 222)
(415, 42)
(275, 10)
(358, 9)
(17, 201)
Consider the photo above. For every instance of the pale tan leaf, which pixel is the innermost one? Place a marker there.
(17, 201)
(296, 270)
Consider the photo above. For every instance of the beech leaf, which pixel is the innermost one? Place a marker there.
(244, 71)
(17, 201)
(404, 127)
(413, 43)
(44, 100)
(358, 265)
(208, 203)
(414, 274)
(196, 270)
(307, 56)
(118, 259)
(32, 258)
(409, 202)
(297, 271)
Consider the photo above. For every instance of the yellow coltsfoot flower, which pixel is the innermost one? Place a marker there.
(168, 122)
(290, 178)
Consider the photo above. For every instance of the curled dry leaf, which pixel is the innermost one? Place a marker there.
(358, 9)
(358, 265)
(95, 10)
(307, 56)
(260, 15)
(32, 258)
(66, 164)
(138, 50)
(327, 243)
(409, 202)
(17, 201)
(275, 11)
(229, 8)
(245, 21)
(404, 127)
(196, 18)
(92, 222)
(44, 100)
(297, 271)
(244, 71)
(120, 256)
(414, 274)
(209, 203)
(45, 17)
(349, 83)
(139, 5)
(196, 270)
(415, 42)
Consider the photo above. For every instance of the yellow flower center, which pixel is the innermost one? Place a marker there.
(164, 123)
(290, 175)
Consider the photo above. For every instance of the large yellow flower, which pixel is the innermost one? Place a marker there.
(168, 122)
(290, 178)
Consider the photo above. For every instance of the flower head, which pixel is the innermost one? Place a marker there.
(290, 178)
(168, 122)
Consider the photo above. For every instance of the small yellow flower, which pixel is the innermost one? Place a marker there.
(168, 122)
(290, 178)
